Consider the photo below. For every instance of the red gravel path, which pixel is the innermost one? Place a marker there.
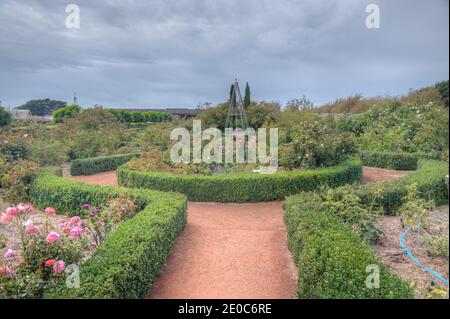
(372, 174)
(231, 250)
(106, 178)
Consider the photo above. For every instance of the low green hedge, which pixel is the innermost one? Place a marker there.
(130, 259)
(89, 166)
(242, 187)
(331, 258)
(400, 161)
(396, 160)
(430, 180)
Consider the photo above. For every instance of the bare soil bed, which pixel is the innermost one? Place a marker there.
(391, 253)
(373, 174)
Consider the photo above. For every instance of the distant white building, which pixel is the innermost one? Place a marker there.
(25, 115)
(21, 115)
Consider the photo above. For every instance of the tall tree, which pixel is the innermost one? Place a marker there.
(247, 98)
(5, 116)
(42, 107)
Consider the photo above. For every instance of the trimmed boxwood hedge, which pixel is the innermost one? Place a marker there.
(89, 166)
(399, 161)
(392, 160)
(242, 187)
(130, 259)
(331, 258)
(430, 180)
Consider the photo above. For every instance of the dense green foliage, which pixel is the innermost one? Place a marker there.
(89, 166)
(314, 144)
(94, 132)
(129, 261)
(430, 181)
(14, 151)
(68, 111)
(443, 91)
(125, 116)
(242, 187)
(5, 117)
(331, 258)
(391, 160)
(42, 107)
(247, 97)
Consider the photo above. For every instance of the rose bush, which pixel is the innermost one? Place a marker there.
(44, 253)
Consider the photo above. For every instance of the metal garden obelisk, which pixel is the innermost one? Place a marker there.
(236, 113)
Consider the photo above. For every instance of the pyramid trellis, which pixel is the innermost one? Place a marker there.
(236, 113)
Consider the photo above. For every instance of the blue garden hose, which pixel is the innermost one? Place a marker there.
(417, 261)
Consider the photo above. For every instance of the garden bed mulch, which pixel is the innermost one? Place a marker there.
(391, 253)
(374, 174)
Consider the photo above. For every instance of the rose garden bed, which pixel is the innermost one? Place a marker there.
(329, 234)
(139, 242)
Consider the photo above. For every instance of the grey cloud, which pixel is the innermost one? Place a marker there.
(178, 52)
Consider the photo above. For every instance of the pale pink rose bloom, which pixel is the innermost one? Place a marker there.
(21, 208)
(30, 208)
(76, 231)
(9, 254)
(31, 229)
(59, 266)
(50, 211)
(28, 222)
(5, 270)
(74, 220)
(52, 237)
(5, 218)
(11, 211)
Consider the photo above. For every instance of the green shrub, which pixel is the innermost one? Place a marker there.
(125, 116)
(331, 258)
(391, 160)
(242, 187)
(5, 117)
(129, 260)
(430, 181)
(89, 166)
(68, 111)
(316, 144)
(15, 151)
(396, 160)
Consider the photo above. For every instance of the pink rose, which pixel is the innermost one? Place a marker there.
(29, 208)
(9, 254)
(28, 222)
(5, 218)
(31, 229)
(50, 262)
(52, 237)
(59, 266)
(5, 270)
(74, 220)
(11, 211)
(50, 211)
(63, 224)
(76, 231)
(21, 208)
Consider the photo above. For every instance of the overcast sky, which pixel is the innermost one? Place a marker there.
(176, 53)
